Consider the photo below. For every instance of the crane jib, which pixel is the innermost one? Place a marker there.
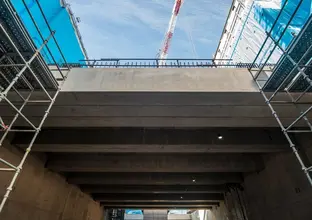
(177, 8)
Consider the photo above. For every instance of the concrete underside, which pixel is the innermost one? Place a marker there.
(148, 138)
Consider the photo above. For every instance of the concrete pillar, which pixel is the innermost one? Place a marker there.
(42, 194)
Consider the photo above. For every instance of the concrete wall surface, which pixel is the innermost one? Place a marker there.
(40, 194)
(281, 190)
(161, 80)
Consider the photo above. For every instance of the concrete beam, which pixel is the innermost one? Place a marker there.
(158, 205)
(153, 140)
(194, 121)
(80, 162)
(165, 189)
(155, 110)
(179, 198)
(139, 179)
(185, 148)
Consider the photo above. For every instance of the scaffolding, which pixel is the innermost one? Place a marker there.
(289, 81)
(25, 79)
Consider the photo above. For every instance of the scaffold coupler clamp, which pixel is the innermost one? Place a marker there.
(3, 125)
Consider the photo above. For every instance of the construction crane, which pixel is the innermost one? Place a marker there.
(163, 52)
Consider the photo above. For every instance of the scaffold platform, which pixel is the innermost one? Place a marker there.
(11, 62)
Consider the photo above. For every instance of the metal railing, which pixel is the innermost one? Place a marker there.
(155, 63)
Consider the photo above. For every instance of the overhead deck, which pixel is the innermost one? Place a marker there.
(149, 137)
(164, 97)
(152, 136)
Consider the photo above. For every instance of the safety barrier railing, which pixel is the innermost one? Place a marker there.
(155, 63)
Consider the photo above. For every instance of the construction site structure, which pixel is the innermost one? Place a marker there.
(233, 26)
(146, 140)
(248, 23)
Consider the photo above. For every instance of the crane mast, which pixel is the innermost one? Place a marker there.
(168, 36)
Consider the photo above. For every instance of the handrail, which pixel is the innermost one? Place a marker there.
(155, 63)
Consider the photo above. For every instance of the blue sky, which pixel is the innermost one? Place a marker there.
(136, 28)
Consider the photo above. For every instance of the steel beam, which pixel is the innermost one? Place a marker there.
(84, 162)
(153, 178)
